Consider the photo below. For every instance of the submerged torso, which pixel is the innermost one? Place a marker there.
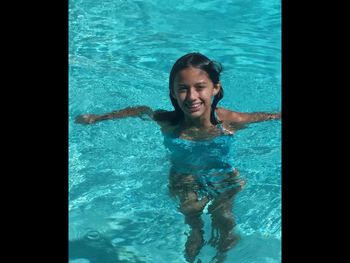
(208, 159)
(199, 156)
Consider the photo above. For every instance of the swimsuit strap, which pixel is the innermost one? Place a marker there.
(220, 125)
(224, 130)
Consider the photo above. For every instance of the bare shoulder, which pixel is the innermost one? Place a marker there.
(232, 120)
(163, 116)
(165, 119)
(226, 115)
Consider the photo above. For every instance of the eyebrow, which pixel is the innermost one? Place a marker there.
(200, 82)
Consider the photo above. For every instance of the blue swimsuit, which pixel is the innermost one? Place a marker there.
(208, 161)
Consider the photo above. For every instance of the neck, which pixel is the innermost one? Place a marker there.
(201, 122)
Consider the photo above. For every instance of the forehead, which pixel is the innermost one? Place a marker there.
(191, 75)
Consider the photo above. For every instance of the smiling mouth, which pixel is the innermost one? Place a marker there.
(194, 107)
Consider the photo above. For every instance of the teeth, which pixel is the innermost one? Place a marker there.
(194, 105)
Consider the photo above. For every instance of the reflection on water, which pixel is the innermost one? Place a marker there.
(99, 249)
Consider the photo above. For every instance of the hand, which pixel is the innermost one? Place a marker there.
(86, 119)
(275, 116)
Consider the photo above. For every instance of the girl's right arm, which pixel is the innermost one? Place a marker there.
(127, 112)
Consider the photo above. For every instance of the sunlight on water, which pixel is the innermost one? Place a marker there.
(120, 55)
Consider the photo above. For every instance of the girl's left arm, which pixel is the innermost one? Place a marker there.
(245, 118)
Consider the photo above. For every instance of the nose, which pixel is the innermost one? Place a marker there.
(191, 94)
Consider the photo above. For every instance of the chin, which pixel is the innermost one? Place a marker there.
(194, 115)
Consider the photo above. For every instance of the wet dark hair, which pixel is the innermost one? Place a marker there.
(212, 68)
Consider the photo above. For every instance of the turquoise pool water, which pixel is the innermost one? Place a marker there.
(120, 54)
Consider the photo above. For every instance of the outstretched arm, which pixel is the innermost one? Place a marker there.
(245, 118)
(127, 112)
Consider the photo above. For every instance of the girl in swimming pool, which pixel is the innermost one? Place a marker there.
(195, 90)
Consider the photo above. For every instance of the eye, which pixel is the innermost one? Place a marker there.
(200, 87)
(182, 88)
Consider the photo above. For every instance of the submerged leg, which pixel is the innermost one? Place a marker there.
(195, 239)
(223, 237)
(185, 188)
(192, 208)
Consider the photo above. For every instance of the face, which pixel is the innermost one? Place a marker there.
(193, 90)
